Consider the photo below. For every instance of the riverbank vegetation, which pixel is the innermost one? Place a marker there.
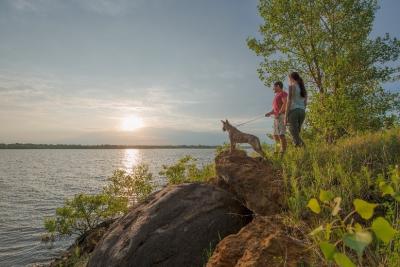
(324, 183)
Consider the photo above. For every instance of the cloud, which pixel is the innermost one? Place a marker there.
(48, 100)
(23, 4)
(101, 7)
(107, 7)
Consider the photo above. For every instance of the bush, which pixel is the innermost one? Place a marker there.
(186, 170)
(83, 213)
(135, 186)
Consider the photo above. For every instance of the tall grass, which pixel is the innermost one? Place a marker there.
(351, 168)
(348, 168)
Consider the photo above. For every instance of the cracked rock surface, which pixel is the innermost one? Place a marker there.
(176, 226)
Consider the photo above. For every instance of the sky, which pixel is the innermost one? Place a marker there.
(77, 71)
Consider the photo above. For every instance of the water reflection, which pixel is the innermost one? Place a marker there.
(131, 159)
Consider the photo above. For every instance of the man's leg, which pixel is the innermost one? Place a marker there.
(276, 135)
(282, 132)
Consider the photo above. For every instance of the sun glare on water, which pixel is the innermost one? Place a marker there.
(131, 123)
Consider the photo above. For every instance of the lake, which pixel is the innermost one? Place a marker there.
(34, 182)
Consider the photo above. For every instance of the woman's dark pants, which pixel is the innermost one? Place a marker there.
(295, 120)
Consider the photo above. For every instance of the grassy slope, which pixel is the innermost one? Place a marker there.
(349, 169)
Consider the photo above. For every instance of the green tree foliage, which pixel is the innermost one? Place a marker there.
(83, 213)
(135, 186)
(186, 170)
(329, 43)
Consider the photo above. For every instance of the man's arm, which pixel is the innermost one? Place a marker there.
(283, 107)
(268, 114)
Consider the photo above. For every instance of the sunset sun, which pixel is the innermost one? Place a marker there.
(131, 123)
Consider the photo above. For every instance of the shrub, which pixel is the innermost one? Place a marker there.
(83, 213)
(186, 170)
(135, 186)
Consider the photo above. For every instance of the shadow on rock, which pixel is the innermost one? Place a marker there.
(177, 226)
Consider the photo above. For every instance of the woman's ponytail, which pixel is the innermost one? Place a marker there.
(295, 76)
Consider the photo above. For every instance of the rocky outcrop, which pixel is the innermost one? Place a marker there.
(266, 241)
(176, 226)
(253, 181)
(180, 225)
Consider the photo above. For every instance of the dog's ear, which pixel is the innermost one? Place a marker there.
(227, 121)
(222, 122)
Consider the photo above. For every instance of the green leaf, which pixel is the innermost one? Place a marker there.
(383, 230)
(314, 205)
(342, 260)
(325, 196)
(397, 197)
(317, 230)
(364, 209)
(336, 208)
(327, 249)
(358, 227)
(386, 189)
(358, 241)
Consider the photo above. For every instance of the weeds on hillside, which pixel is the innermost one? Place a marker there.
(362, 168)
(348, 168)
(345, 238)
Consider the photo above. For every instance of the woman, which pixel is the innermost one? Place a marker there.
(296, 107)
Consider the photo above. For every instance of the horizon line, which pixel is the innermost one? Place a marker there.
(98, 146)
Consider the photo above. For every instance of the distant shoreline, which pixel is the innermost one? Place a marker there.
(61, 146)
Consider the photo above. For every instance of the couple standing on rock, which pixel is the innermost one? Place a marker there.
(288, 110)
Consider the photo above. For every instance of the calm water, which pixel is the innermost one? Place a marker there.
(34, 182)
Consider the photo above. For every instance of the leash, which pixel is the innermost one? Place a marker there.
(246, 122)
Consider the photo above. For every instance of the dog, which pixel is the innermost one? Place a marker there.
(238, 137)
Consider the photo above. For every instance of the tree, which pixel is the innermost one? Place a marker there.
(83, 213)
(135, 186)
(328, 42)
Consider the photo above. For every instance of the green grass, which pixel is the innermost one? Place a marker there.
(351, 168)
(348, 168)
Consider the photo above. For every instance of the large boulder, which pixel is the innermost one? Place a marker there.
(176, 226)
(266, 241)
(253, 180)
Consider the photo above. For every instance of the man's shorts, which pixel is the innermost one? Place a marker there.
(279, 126)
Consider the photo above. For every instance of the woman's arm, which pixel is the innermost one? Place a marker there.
(288, 103)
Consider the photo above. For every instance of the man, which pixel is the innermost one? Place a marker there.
(278, 111)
